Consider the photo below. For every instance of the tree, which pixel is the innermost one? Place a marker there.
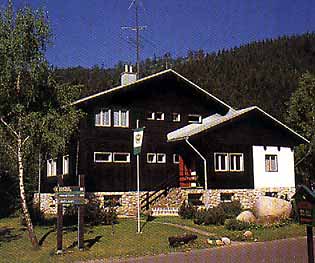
(301, 116)
(33, 114)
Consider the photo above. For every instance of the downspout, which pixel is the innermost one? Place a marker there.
(204, 162)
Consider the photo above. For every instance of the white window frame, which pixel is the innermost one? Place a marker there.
(174, 158)
(176, 117)
(241, 162)
(64, 170)
(163, 155)
(52, 167)
(103, 161)
(152, 117)
(276, 161)
(101, 113)
(121, 153)
(120, 118)
(154, 157)
(195, 115)
(161, 117)
(226, 162)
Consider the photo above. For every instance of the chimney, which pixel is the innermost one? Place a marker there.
(128, 77)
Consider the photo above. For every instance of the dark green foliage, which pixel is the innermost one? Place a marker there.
(231, 209)
(38, 217)
(187, 211)
(199, 217)
(214, 216)
(235, 225)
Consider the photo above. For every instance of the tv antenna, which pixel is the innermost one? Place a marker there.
(137, 28)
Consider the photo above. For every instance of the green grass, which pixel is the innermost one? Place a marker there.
(125, 242)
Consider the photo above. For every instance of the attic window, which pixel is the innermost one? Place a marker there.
(175, 117)
(121, 118)
(271, 163)
(102, 118)
(194, 118)
(159, 116)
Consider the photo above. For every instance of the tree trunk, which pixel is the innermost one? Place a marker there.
(25, 211)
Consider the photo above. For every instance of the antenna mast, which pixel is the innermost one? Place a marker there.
(137, 29)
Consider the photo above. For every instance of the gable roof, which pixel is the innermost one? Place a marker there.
(151, 77)
(216, 120)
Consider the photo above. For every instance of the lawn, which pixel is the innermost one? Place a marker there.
(101, 242)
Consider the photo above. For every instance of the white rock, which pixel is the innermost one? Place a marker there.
(246, 216)
(266, 206)
(219, 242)
(226, 240)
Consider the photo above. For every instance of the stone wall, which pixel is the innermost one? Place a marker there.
(127, 201)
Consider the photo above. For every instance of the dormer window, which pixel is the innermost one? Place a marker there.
(121, 118)
(175, 117)
(194, 118)
(159, 116)
(102, 118)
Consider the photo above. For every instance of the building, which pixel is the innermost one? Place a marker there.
(193, 142)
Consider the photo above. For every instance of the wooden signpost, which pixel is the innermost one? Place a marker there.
(305, 205)
(70, 195)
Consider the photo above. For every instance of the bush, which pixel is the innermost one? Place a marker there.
(214, 216)
(37, 217)
(199, 217)
(187, 211)
(231, 209)
(236, 225)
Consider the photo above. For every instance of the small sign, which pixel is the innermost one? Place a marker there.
(137, 140)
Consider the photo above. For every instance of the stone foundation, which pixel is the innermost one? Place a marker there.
(127, 201)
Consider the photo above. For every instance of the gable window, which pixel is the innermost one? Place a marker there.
(51, 167)
(121, 118)
(102, 157)
(102, 118)
(221, 162)
(236, 162)
(151, 158)
(121, 157)
(159, 116)
(194, 118)
(150, 115)
(175, 158)
(271, 163)
(175, 117)
(65, 164)
(161, 157)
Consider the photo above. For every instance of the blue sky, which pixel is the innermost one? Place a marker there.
(87, 32)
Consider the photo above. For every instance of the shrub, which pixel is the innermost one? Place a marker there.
(199, 217)
(233, 224)
(231, 209)
(187, 211)
(214, 216)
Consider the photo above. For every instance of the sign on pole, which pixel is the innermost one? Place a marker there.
(137, 140)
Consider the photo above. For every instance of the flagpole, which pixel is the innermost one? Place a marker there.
(138, 187)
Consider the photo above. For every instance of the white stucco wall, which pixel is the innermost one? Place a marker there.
(284, 177)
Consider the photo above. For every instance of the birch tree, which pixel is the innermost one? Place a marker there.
(32, 105)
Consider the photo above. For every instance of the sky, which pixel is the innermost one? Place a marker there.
(88, 32)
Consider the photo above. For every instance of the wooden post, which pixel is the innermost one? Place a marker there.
(59, 220)
(310, 252)
(81, 218)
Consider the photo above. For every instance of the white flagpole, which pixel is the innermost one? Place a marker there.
(138, 187)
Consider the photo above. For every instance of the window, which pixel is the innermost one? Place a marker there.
(121, 118)
(271, 194)
(51, 167)
(65, 164)
(271, 163)
(195, 199)
(150, 115)
(175, 117)
(112, 200)
(121, 157)
(226, 197)
(102, 118)
(236, 162)
(194, 118)
(151, 158)
(175, 158)
(221, 162)
(102, 157)
(159, 116)
(161, 157)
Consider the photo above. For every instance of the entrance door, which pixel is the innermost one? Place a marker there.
(187, 177)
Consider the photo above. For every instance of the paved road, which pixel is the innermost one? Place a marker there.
(292, 250)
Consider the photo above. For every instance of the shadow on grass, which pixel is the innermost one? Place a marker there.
(87, 243)
(149, 219)
(7, 235)
(41, 241)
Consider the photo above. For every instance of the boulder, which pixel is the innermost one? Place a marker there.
(246, 216)
(219, 242)
(248, 234)
(226, 241)
(271, 207)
